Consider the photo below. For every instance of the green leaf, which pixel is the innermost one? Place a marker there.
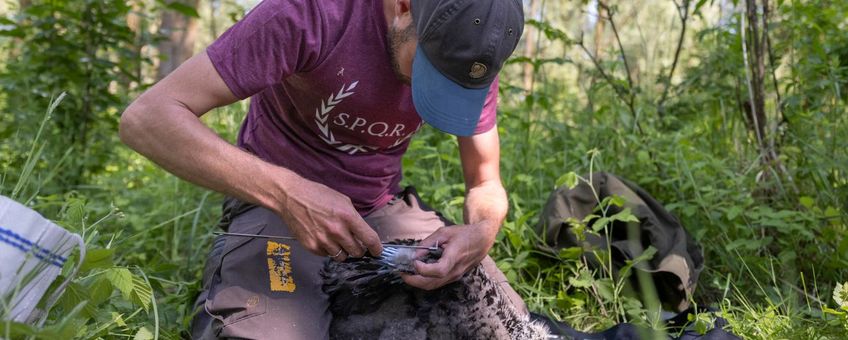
(589, 218)
(74, 295)
(119, 319)
(504, 266)
(605, 289)
(600, 224)
(570, 180)
(625, 216)
(733, 212)
(703, 323)
(617, 201)
(643, 156)
(632, 306)
(515, 240)
(522, 221)
(807, 202)
(646, 255)
(122, 279)
(831, 212)
(143, 334)
(583, 280)
(511, 276)
(142, 293)
(550, 32)
(577, 227)
(97, 259)
(520, 259)
(570, 253)
(75, 213)
(100, 290)
(566, 301)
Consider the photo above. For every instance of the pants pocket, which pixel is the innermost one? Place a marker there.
(234, 304)
(232, 300)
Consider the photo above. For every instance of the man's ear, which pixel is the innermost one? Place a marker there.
(402, 7)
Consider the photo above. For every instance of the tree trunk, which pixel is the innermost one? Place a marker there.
(598, 34)
(755, 49)
(180, 32)
(757, 116)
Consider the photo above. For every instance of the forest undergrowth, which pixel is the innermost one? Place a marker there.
(747, 147)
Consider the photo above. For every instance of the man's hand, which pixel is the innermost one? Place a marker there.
(485, 208)
(325, 222)
(163, 125)
(464, 246)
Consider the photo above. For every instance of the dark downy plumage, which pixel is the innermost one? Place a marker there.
(370, 301)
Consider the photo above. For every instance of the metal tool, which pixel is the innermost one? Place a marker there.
(433, 248)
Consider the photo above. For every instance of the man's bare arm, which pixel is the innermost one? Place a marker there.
(486, 202)
(485, 208)
(163, 125)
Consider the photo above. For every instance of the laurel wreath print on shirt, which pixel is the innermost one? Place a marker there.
(322, 115)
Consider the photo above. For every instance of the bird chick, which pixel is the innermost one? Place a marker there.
(369, 300)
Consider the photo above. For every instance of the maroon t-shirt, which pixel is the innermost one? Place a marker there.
(325, 101)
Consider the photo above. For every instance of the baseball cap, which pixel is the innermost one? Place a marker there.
(462, 45)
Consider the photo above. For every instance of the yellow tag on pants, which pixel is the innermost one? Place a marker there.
(279, 267)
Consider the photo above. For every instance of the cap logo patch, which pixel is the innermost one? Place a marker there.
(478, 70)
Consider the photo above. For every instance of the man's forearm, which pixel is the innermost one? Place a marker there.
(163, 125)
(486, 206)
(173, 137)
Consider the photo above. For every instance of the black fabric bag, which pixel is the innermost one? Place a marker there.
(678, 261)
(677, 329)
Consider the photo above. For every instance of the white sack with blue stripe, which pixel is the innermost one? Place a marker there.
(33, 251)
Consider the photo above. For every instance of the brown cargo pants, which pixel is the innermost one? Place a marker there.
(257, 288)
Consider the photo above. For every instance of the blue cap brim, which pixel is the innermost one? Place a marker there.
(443, 103)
